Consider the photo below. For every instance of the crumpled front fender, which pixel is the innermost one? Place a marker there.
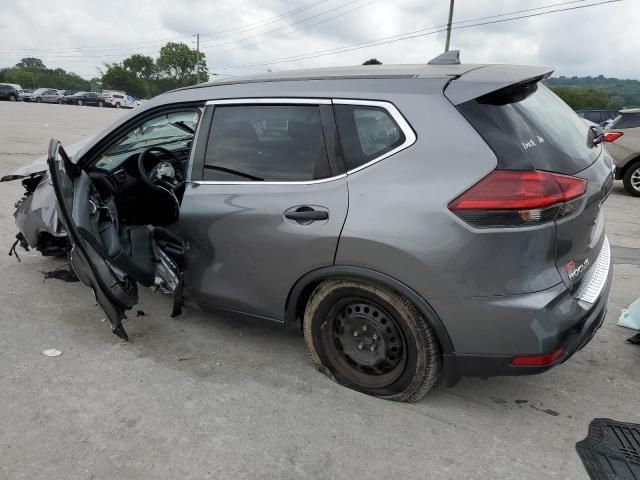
(37, 213)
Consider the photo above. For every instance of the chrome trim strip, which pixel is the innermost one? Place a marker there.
(256, 183)
(592, 286)
(267, 101)
(409, 134)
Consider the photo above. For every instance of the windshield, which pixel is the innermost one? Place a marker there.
(162, 130)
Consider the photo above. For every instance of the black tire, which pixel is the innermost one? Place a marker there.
(59, 102)
(38, 100)
(12, 97)
(100, 104)
(631, 178)
(371, 339)
(79, 103)
(118, 105)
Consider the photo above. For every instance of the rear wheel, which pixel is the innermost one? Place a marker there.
(631, 179)
(371, 339)
(100, 104)
(118, 105)
(12, 98)
(59, 101)
(79, 103)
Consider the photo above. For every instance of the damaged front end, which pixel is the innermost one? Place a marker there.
(36, 217)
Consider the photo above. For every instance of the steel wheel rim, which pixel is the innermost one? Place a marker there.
(635, 179)
(365, 343)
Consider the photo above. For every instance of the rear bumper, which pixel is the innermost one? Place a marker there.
(576, 326)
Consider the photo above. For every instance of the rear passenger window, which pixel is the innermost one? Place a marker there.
(366, 132)
(266, 143)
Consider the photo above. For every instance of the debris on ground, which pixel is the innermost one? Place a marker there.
(635, 339)
(62, 273)
(52, 352)
(140, 313)
(630, 317)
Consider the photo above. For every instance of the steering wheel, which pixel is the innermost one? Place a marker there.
(160, 175)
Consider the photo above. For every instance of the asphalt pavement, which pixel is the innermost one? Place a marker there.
(205, 396)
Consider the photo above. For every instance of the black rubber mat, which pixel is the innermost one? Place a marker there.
(611, 450)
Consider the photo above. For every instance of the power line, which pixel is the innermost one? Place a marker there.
(85, 58)
(242, 27)
(407, 36)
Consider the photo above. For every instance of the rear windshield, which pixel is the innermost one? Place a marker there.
(626, 120)
(528, 126)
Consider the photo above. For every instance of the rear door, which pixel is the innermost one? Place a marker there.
(266, 202)
(84, 218)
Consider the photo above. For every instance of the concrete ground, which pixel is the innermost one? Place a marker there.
(205, 396)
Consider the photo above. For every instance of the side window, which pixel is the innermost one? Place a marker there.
(627, 120)
(266, 143)
(366, 132)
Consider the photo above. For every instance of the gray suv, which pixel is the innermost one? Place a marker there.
(417, 222)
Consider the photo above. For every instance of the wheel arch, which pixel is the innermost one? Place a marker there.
(302, 289)
(632, 161)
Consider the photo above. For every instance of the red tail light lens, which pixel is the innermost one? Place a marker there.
(537, 360)
(611, 136)
(509, 198)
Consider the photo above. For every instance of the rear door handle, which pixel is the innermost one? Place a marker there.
(307, 214)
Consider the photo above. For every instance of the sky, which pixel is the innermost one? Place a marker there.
(251, 36)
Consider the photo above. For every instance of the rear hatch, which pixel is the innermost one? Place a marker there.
(529, 128)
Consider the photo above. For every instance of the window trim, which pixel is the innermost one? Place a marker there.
(409, 134)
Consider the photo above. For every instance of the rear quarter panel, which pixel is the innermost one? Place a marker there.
(399, 224)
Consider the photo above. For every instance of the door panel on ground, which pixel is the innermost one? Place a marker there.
(245, 255)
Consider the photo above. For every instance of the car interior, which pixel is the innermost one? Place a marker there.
(124, 203)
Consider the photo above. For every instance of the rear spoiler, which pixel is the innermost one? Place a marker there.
(490, 78)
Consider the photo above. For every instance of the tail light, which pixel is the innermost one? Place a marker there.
(611, 136)
(513, 198)
(538, 360)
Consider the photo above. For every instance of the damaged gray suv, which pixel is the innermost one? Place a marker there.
(408, 249)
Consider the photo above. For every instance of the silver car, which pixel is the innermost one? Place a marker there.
(406, 250)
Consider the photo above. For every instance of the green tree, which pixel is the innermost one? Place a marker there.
(372, 61)
(616, 102)
(142, 66)
(31, 62)
(180, 63)
(582, 97)
(117, 77)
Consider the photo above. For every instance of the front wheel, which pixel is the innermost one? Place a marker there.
(38, 100)
(631, 179)
(59, 101)
(372, 340)
(100, 104)
(79, 103)
(12, 98)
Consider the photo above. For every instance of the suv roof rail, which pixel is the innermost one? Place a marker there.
(452, 57)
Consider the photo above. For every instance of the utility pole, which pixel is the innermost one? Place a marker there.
(197, 35)
(446, 45)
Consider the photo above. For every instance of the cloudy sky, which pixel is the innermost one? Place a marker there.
(248, 36)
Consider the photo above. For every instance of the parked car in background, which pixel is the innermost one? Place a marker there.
(85, 98)
(9, 92)
(622, 139)
(598, 116)
(39, 95)
(318, 198)
(23, 93)
(65, 93)
(118, 99)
